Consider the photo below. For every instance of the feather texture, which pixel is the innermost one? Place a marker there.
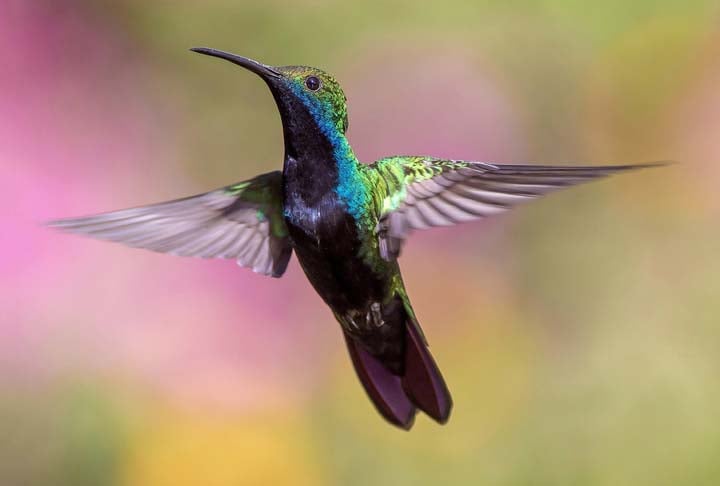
(242, 221)
(423, 192)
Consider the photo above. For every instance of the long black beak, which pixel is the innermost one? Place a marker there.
(265, 72)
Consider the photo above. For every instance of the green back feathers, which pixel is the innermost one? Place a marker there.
(264, 193)
(393, 176)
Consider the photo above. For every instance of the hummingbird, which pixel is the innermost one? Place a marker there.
(346, 222)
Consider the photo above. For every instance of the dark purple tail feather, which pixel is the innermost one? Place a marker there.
(396, 397)
(384, 389)
(423, 382)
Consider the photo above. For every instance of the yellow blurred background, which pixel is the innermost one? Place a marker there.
(580, 335)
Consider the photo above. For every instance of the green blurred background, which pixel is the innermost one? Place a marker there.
(579, 334)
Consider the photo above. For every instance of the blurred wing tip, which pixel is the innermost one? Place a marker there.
(82, 226)
(60, 224)
(617, 169)
(658, 163)
(53, 222)
(643, 165)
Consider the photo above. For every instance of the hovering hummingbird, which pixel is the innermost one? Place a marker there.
(346, 222)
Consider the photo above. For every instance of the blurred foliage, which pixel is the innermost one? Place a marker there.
(65, 434)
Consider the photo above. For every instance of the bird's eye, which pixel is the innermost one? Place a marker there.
(313, 83)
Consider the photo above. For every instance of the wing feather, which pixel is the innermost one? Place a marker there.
(243, 221)
(422, 192)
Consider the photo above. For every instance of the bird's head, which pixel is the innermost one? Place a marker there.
(318, 91)
(305, 95)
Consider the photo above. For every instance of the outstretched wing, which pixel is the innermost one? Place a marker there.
(242, 221)
(421, 192)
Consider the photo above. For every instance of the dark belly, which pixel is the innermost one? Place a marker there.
(361, 297)
(329, 255)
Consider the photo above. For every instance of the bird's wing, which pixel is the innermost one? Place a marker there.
(242, 221)
(421, 192)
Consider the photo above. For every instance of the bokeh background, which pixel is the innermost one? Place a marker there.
(580, 335)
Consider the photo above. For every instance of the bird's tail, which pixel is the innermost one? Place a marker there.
(423, 383)
(397, 397)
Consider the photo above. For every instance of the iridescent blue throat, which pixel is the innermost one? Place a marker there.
(351, 188)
